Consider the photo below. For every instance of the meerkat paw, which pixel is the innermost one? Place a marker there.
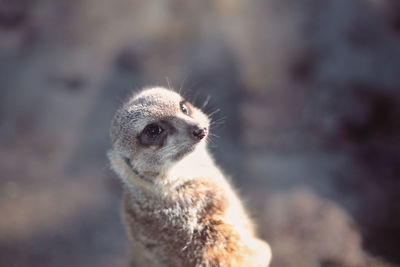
(262, 254)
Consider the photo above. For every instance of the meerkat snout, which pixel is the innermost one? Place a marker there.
(198, 132)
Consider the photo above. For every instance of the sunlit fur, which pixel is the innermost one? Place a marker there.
(178, 211)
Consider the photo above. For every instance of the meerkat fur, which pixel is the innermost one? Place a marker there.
(178, 207)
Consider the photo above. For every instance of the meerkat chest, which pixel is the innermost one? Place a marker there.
(160, 234)
(168, 227)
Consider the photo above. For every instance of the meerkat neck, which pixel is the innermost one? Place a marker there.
(190, 167)
(195, 164)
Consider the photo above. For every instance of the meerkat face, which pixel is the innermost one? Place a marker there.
(155, 129)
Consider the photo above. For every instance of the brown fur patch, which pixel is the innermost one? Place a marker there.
(213, 241)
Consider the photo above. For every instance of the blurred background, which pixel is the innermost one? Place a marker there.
(309, 92)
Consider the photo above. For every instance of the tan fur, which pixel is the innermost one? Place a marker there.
(178, 211)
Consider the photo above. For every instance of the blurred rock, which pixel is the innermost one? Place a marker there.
(306, 230)
(308, 90)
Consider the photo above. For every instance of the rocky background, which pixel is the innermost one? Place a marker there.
(309, 121)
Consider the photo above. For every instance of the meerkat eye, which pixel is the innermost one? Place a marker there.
(152, 130)
(185, 109)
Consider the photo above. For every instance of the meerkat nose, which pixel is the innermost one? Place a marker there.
(199, 133)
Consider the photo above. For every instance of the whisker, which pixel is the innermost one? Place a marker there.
(168, 83)
(176, 147)
(206, 102)
(211, 142)
(194, 98)
(220, 120)
(214, 112)
(183, 82)
(168, 147)
(192, 85)
(212, 134)
(219, 124)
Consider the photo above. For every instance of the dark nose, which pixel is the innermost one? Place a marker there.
(199, 133)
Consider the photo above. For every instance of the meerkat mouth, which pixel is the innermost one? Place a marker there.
(130, 165)
(184, 152)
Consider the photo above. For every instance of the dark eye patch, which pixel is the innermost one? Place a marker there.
(153, 130)
(152, 134)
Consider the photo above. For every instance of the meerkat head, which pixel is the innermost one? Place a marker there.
(153, 130)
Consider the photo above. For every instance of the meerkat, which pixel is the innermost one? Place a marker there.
(178, 207)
